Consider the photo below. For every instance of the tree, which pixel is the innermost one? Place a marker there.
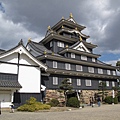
(102, 90)
(66, 87)
(118, 65)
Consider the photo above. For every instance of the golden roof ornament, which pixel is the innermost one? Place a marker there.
(62, 17)
(66, 46)
(45, 52)
(80, 38)
(71, 16)
(49, 28)
(62, 26)
(52, 53)
(76, 28)
(29, 39)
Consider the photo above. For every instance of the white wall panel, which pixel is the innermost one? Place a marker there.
(29, 78)
(8, 68)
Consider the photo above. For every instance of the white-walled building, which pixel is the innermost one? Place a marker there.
(20, 76)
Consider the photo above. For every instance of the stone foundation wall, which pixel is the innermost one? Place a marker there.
(86, 94)
(54, 94)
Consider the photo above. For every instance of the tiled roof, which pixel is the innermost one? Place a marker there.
(2, 51)
(39, 47)
(10, 84)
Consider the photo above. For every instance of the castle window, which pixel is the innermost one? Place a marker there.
(113, 84)
(107, 83)
(72, 55)
(55, 80)
(91, 69)
(93, 59)
(108, 72)
(79, 68)
(70, 80)
(51, 44)
(88, 82)
(83, 57)
(54, 64)
(60, 44)
(78, 82)
(114, 72)
(100, 71)
(67, 66)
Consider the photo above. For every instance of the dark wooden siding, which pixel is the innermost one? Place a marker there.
(95, 82)
(20, 98)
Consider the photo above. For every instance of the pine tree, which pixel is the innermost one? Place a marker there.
(66, 87)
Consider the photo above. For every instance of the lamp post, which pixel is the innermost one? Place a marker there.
(0, 107)
(113, 96)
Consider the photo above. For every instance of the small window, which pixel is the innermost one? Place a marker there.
(54, 64)
(108, 72)
(78, 68)
(51, 44)
(55, 80)
(100, 71)
(78, 82)
(114, 72)
(113, 84)
(107, 83)
(70, 80)
(67, 66)
(93, 59)
(91, 69)
(60, 44)
(88, 82)
(83, 57)
(72, 55)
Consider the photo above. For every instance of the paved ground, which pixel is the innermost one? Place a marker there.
(105, 112)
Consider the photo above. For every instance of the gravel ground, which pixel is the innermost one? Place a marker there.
(105, 112)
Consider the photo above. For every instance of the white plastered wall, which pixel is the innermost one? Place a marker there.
(29, 76)
(9, 68)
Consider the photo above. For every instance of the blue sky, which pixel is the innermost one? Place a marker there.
(23, 19)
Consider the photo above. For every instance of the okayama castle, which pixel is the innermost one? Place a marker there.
(67, 54)
(38, 68)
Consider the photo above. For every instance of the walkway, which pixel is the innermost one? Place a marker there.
(105, 112)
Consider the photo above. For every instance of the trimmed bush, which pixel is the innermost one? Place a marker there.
(32, 105)
(73, 102)
(53, 103)
(110, 100)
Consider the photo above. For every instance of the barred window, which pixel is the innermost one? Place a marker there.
(93, 59)
(107, 83)
(60, 44)
(91, 69)
(54, 64)
(72, 55)
(108, 72)
(51, 44)
(113, 84)
(100, 71)
(79, 68)
(67, 66)
(69, 80)
(55, 80)
(78, 82)
(114, 72)
(88, 82)
(83, 57)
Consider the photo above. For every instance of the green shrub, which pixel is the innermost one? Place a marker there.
(54, 103)
(116, 100)
(32, 105)
(110, 100)
(73, 102)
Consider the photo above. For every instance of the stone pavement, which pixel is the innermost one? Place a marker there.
(105, 112)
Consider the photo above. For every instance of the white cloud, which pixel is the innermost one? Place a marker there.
(11, 33)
